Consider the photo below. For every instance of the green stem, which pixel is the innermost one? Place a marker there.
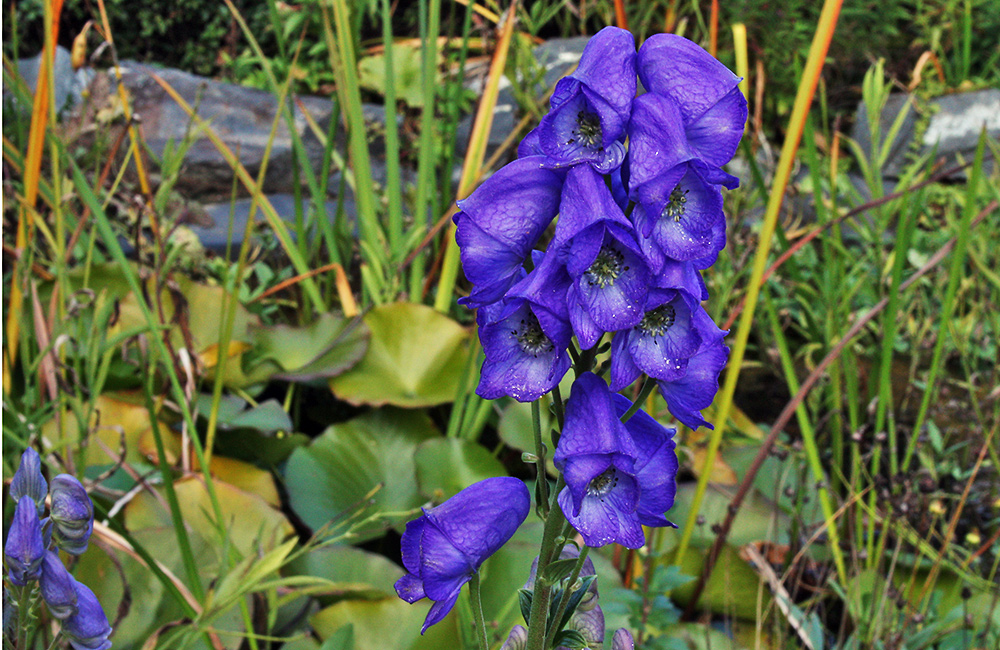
(543, 590)
(541, 477)
(647, 388)
(564, 599)
(23, 605)
(477, 611)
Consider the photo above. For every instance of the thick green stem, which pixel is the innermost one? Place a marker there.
(647, 388)
(564, 600)
(543, 590)
(477, 611)
(541, 477)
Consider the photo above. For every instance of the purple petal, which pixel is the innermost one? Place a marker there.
(623, 368)
(657, 146)
(585, 201)
(609, 518)
(608, 67)
(592, 425)
(687, 396)
(656, 465)
(717, 133)
(410, 588)
(672, 65)
(439, 610)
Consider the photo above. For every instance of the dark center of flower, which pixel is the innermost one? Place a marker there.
(675, 207)
(607, 266)
(657, 321)
(588, 129)
(531, 338)
(603, 483)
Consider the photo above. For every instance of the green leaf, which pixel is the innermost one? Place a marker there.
(571, 639)
(416, 357)
(558, 570)
(354, 572)
(267, 417)
(447, 465)
(387, 623)
(332, 477)
(342, 639)
(524, 597)
(325, 348)
(406, 74)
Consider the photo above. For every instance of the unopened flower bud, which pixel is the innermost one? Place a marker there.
(517, 639)
(622, 640)
(88, 628)
(57, 587)
(28, 480)
(72, 514)
(529, 457)
(25, 548)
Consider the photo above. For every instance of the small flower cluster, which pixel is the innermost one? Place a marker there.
(636, 184)
(31, 552)
(636, 226)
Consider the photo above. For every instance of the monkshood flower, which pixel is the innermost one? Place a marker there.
(88, 628)
(517, 639)
(25, 548)
(688, 395)
(447, 545)
(655, 466)
(590, 108)
(705, 91)
(28, 480)
(622, 640)
(525, 345)
(597, 458)
(671, 331)
(58, 587)
(72, 514)
(596, 243)
(500, 223)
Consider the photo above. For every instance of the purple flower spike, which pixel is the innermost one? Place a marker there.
(28, 480)
(687, 396)
(447, 545)
(597, 457)
(591, 107)
(72, 514)
(25, 548)
(610, 278)
(58, 587)
(705, 91)
(622, 640)
(501, 222)
(655, 466)
(88, 628)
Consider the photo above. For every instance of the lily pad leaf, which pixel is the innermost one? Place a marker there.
(416, 357)
(446, 466)
(387, 623)
(333, 477)
(325, 348)
(267, 417)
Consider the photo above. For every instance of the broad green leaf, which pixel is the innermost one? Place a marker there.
(117, 418)
(416, 357)
(357, 573)
(729, 589)
(325, 348)
(447, 465)
(332, 477)
(406, 74)
(267, 417)
(387, 623)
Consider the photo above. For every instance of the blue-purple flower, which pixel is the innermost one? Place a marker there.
(597, 458)
(655, 465)
(500, 223)
(525, 344)
(25, 548)
(590, 108)
(72, 514)
(686, 396)
(28, 480)
(58, 587)
(596, 243)
(444, 548)
(88, 628)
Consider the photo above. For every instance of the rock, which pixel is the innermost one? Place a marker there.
(242, 117)
(69, 84)
(953, 126)
(215, 237)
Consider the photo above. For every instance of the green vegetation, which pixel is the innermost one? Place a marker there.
(324, 372)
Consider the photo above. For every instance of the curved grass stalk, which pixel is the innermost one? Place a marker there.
(803, 99)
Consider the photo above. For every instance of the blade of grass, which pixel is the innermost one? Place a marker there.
(803, 100)
(394, 185)
(474, 158)
(430, 17)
